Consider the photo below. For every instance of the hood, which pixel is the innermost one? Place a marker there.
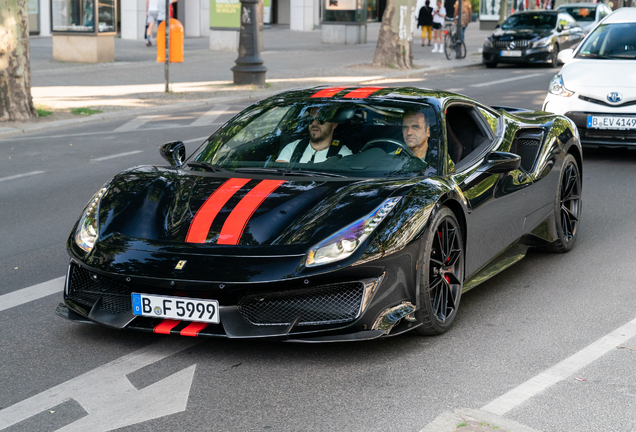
(582, 76)
(169, 206)
(524, 34)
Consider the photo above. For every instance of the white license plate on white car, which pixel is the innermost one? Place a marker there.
(177, 308)
(510, 53)
(611, 122)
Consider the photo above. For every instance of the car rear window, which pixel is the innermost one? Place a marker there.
(581, 14)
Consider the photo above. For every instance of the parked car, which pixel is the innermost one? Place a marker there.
(596, 87)
(240, 240)
(534, 37)
(586, 14)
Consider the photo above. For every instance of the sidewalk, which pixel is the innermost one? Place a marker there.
(136, 81)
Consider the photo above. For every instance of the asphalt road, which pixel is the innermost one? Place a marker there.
(57, 375)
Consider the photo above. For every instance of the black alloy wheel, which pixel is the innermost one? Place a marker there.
(442, 274)
(567, 209)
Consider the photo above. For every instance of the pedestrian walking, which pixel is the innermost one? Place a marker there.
(439, 15)
(467, 14)
(425, 20)
(156, 13)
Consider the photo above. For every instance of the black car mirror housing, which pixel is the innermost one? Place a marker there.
(174, 152)
(501, 162)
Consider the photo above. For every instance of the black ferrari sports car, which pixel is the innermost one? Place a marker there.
(264, 232)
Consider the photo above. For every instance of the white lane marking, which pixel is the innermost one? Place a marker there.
(209, 117)
(137, 122)
(20, 175)
(83, 134)
(489, 83)
(109, 398)
(195, 140)
(25, 295)
(116, 156)
(562, 370)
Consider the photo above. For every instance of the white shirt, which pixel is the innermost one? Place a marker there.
(436, 17)
(319, 156)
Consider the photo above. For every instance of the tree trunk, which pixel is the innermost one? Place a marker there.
(16, 102)
(395, 42)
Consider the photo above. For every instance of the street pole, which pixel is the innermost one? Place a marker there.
(459, 29)
(166, 72)
(249, 67)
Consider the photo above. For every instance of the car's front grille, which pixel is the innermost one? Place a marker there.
(527, 149)
(600, 102)
(311, 306)
(518, 43)
(85, 288)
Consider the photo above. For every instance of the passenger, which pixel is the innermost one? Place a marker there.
(416, 133)
(318, 147)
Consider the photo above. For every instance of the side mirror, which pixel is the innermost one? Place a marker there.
(566, 55)
(501, 162)
(560, 28)
(174, 153)
(497, 26)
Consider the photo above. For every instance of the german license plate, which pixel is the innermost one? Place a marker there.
(510, 53)
(178, 308)
(611, 122)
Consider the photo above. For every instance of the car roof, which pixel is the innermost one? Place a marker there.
(622, 15)
(537, 12)
(569, 5)
(369, 93)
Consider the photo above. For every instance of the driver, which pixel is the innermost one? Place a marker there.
(416, 133)
(318, 147)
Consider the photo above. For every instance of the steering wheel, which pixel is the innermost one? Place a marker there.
(380, 142)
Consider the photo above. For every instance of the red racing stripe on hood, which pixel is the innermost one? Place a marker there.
(237, 220)
(328, 92)
(362, 92)
(165, 326)
(202, 221)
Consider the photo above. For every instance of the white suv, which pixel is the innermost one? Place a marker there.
(596, 87)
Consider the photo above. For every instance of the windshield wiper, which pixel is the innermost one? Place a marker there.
(288, 172)
(591, 55)
(207, 166)
(621, 56)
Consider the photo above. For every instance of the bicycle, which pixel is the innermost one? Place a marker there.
(454, 46)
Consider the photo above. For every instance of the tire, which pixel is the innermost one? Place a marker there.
(490, 65)
(554, 57)
(462, 50)
(567, 206)
(449, 48)
(440, 292)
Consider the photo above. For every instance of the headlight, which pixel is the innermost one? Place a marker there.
(345, 242)
(541, 43)
(558, 88)
(86, 233)
(488, 43)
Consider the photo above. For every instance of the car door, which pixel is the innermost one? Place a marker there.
(563, 31)
(496, 201)
(575, 31)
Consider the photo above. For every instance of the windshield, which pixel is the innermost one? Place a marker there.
(580, 14)
(307, 137)
(530, 21)
(610, 41)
